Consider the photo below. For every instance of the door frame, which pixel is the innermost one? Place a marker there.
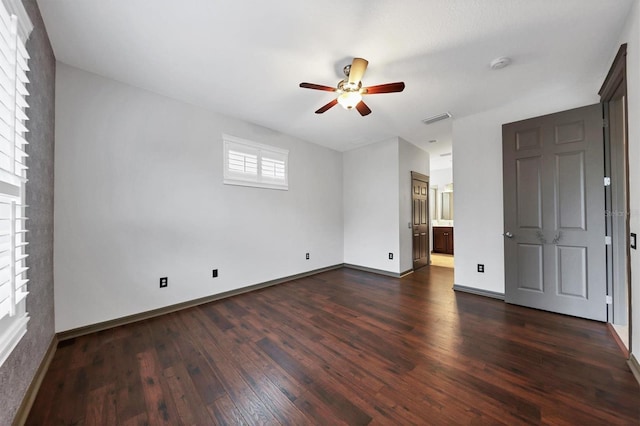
(613, 87)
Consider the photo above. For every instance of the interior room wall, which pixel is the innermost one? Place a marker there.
(19, 369)
(411, 159)
(371, 212)
(478, 214)
(140, 195)
(377, 204)
(440, 178)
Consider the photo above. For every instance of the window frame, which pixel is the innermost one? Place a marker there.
(15, 30)
(263, 153)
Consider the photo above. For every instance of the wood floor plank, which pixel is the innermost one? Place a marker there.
(189, 405)
(277, 402)
(160, 407)
(244, 398)
(344, 347)
(101, 407)
(138, 420)
(224, 411)
(130, 402)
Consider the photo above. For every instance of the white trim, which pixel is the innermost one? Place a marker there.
(253, 144)
(478, 291)
(25, 26)
(12, 335)
(238, 182)
(634, 366)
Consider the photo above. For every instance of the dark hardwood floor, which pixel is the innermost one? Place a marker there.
(344, 347)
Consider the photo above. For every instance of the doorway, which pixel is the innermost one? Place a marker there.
(528, 277)
(442, 219)
(420, 219)
(613, 96)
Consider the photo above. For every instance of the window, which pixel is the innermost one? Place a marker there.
(252, 164)
(14, 30)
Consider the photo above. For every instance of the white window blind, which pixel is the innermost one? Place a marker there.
(241, 162)
(14, 29)
(250, 163)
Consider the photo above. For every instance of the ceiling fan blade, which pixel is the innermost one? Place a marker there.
(363, 109)
(383, 88)
(317, 87)
(358, 67)
(327, 106)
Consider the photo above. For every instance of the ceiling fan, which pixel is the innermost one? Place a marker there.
(350, 89)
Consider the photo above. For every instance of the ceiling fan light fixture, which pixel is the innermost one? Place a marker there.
(349, 100)
(350, 91)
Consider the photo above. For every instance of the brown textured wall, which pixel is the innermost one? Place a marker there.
(19, 369)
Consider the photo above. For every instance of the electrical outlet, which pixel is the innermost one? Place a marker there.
(164, 282)
(480, 267)
(307, 256)
(215, 273)
(390, 256)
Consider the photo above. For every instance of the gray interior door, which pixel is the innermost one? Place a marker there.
(553, 169)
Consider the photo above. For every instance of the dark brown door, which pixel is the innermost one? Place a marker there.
(420, 219)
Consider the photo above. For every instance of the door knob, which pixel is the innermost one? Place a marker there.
(508, 234)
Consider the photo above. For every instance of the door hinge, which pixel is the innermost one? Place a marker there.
(607, 240)
(607, 181)
(609, 300)
(605, 123)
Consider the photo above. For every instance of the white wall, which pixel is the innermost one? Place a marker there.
(478, 214)
(377, 203)
(139, 195)
(371, 211)
(440, 178)
(631, 36)
(411, 159)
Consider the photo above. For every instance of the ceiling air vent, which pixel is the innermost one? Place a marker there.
(436, 118)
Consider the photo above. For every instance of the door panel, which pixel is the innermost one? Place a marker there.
(420, 214)
(570, 187)
(528, 139)
(529, 192)
(530, 270)
(569, 132)
(572, 271)
(554, 210)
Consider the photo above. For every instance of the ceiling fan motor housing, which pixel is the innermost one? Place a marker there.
(345, 86)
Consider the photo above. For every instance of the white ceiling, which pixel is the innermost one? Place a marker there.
(246, 58)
